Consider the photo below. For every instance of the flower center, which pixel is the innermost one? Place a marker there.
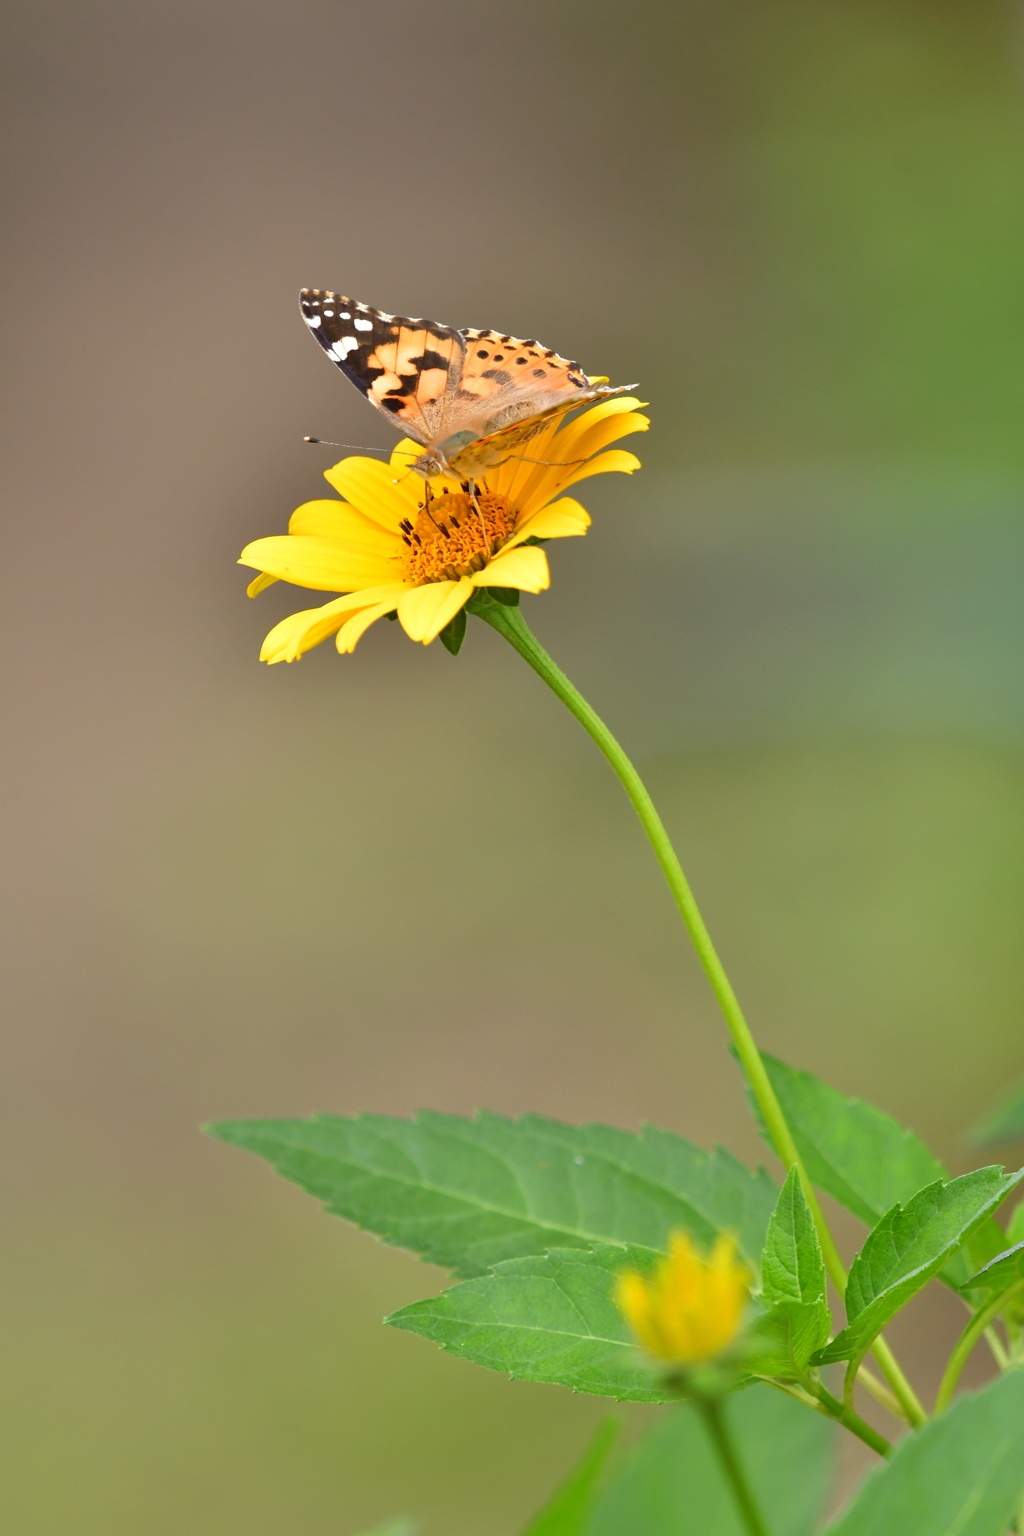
(455, 535)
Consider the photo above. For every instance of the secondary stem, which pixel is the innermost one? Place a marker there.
(510, 624)
(852, 1421)
(970, 1336)
(710, 1409)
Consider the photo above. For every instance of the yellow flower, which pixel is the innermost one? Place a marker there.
(691, 1308)
(398, 542)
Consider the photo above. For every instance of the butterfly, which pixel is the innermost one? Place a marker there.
(469, 398)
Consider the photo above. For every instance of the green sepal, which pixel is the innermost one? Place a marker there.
(962, 1473)
(508, 597)
(454, 632)
(568, 1511)
(907, 1248)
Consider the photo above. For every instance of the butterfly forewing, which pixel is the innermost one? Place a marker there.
(409, 369)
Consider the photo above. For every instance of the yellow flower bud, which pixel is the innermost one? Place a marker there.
(691, 1308)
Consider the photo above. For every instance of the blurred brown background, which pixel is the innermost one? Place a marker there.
(399, 879)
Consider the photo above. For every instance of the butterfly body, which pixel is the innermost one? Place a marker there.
(471, 398)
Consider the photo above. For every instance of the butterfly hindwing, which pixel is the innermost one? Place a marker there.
(409, 369)
(498, 446)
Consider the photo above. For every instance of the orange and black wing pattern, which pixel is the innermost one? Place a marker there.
(503, 365)
(409, 369)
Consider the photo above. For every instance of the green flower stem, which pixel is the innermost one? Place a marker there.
(995, 1344)
(904, 1393)
(710, 1409)
(851, 1421)
(511, 625)
(970, 1336)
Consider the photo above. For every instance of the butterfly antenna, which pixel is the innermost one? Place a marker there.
(361, 447)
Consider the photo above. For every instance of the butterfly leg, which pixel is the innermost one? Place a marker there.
(469, 488)
(549, 463)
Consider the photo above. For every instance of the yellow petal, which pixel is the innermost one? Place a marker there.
(299, 632)
(370, 487)
(581, 439)
(338, 520)
(526, 569)
(616, 459)
(531, 486)
(352, 631)
(327, 565)
(261, 584)
(424, 611)
(561, 520)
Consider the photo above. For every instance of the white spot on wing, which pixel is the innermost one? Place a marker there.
(329, 313)
(362, 325)
(346, 345)
(313, 320)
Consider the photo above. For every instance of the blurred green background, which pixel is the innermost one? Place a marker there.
(399, 879)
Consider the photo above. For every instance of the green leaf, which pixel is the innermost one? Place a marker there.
(796, 1321)
(671, 1485)
(1015, 1225)
(908, 1246)
(1003, 1271)
(792, 1267)
(863, 1158)
(1004, 1123)
(549, 1317)
(469, 1193)
(854, 1152)
(569, 1510)
(454, 632)
(961, 1475)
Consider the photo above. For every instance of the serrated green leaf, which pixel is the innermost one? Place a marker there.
(856, 1153)
(1003, 1123)
(961, 1475)
(469, 1193)
(568, 1512)
(671, 1484)
(863, 1158)
(1003, 1271)
(796, 1321)
(785, 1337)
(792, 1267)
(549, 1317)
(908, 1246)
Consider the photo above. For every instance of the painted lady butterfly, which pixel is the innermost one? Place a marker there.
(471, 398)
